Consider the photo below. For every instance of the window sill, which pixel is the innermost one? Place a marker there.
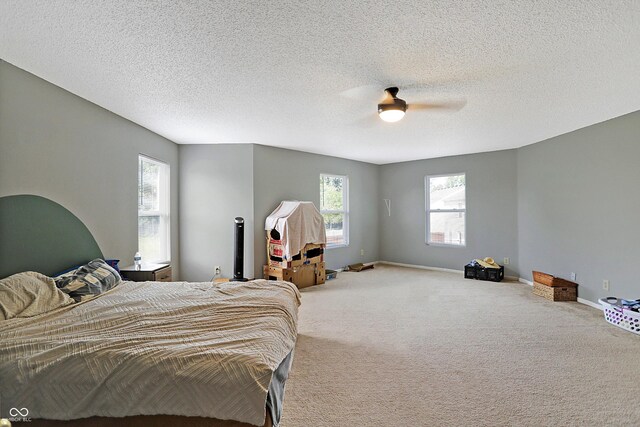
(446, 245)
(337, 246)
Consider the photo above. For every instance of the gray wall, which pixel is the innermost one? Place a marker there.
(281, 174)
(216, 185)
(563, 205)
(60, 146)
(578, 204)
(491, 211)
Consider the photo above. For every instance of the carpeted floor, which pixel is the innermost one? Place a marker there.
(406, 347)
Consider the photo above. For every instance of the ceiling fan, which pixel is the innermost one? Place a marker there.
(393, 109)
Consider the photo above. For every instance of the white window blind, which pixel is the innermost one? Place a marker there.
(334, 207)
(153, 210)
(446, 209)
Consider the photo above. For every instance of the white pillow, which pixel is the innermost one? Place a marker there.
(29, 294)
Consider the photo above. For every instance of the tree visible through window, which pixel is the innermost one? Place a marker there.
(334, 206)
(446, 209)
(153, 210)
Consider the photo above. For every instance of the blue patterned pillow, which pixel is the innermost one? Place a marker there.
(88, 281)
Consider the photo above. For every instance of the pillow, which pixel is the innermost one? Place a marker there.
(67, 271)
(88, 281)
(113, 263)
(29, 294)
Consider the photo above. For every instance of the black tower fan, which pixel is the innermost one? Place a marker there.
(238, 263)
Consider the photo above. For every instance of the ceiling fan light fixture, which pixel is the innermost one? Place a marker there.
(394, 110)
(391, 115)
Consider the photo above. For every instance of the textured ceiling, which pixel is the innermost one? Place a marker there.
(283, 73)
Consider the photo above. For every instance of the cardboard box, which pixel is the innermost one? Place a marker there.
(279, 262)
(275, 255)
(312, 253)
(302, 276)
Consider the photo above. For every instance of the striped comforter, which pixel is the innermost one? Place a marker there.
(193, 349)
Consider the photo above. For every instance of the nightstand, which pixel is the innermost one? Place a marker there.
(147, 273)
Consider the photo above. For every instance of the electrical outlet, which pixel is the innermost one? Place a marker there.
(605, 285)
(361, 252)
(506, 261)
(573, 276)
(218, 271)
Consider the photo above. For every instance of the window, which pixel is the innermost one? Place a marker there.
(446, 209)
(153, 210)
(334, 207)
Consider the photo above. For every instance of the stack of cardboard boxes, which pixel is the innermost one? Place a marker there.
(306, 268)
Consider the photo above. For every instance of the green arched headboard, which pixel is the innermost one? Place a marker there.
(37, 234)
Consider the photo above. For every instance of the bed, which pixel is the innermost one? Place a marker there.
(146, 353)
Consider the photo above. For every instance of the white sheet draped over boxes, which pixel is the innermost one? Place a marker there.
(298, 223)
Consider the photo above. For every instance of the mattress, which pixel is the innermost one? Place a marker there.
(148, 348)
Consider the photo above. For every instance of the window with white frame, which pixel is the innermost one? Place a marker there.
(153, 210)
(334, 207)
(446, 209)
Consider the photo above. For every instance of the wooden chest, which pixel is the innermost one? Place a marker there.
(556, 293)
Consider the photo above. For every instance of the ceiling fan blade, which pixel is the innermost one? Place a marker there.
(415, 88)
(452, 106)
(365, 92)
(367, 121)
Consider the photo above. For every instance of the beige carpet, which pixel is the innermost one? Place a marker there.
(405, 347)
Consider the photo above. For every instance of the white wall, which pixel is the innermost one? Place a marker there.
(216, 185)
(491, 218)
(57, 145)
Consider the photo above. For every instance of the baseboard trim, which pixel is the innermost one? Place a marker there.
(449, 270)
(590, 303)
(421, 267)
(426, 267)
